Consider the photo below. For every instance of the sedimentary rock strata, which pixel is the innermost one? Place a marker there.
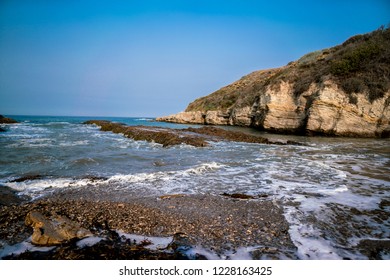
(340, 91)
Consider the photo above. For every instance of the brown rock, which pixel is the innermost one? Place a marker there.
(165, 136)
(196, 117)
(53, 230)
(6, 120)
(197, 137)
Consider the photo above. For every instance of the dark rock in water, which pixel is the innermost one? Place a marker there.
(164, 136)
(94, 178)
(229, 135)
(384, 203)
(6, 120)
(244, 196)
(9, 196)
(198, 137)
(2, 129)
(53, 230)
(180, 241)
(27, 178)
(374, 249)
(239, 195)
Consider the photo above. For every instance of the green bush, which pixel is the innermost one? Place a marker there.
(353, 85)
(354, 58)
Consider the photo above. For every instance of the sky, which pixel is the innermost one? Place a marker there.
(149, 58)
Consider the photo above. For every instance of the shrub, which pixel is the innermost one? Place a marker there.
(354, 58)
(353, 85)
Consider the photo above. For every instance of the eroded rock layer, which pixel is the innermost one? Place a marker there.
(341, 91)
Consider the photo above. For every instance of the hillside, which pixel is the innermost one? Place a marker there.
(343, 90)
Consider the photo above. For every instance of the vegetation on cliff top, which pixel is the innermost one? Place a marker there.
(359, 65)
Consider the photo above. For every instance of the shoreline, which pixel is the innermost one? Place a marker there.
(219, 225)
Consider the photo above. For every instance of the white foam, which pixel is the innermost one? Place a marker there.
(144, 119)
(74, 143)
(40, 187)
(164, 175)
(307, 239)
(162, 243)
(156, 243)
(22, 247)
(89, 241)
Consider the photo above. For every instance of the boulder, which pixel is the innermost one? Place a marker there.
(53, 230)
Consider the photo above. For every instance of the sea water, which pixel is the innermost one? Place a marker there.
(335, 192)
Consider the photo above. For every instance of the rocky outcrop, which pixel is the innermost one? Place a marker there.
(165, 136)
(6, 120)
(341, 91)
(323, 110)
(53, 230)
(185, 117)
(198, 137)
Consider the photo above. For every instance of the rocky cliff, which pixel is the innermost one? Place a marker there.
(340, 91)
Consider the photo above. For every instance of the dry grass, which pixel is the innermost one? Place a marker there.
(359, 65)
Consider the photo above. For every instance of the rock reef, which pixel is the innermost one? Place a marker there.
(340, 91)
(198, 137)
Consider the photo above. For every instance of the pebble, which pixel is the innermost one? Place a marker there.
(224, 222)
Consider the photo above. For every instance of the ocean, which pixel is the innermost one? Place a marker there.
(335, 192)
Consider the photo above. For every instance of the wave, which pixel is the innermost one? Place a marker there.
(144, 119)
(22, 247)
(162, 181)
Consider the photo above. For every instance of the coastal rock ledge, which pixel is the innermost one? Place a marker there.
(340, 91)
(325, 110)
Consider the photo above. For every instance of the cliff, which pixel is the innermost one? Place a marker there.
(340, 91)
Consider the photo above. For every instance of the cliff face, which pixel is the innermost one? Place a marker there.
(341, 91)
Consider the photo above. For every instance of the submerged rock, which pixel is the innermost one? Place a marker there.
(53, 230)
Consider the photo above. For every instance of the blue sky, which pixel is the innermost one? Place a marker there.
(151, 58)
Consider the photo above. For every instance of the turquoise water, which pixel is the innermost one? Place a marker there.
(326, 188)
